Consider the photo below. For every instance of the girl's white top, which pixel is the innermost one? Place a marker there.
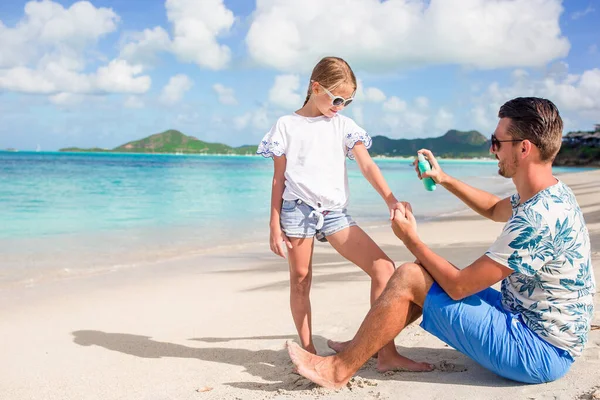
(315, 149)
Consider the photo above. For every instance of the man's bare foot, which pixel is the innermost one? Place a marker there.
(319, 370)
(340, 346)
(395, 362)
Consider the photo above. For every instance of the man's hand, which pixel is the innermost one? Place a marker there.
(404, 226)
(435, 173)
(399, 207)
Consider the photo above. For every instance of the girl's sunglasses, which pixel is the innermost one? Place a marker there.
(496, 143)
(337, 100)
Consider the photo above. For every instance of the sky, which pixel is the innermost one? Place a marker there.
(104, 72)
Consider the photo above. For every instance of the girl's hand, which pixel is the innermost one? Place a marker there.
(399, 207)
(404, 226)
(276, 240)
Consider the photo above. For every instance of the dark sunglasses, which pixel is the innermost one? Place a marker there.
(337, 100)
(496, 142)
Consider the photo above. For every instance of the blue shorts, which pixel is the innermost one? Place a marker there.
(479, 327)
(299, 220)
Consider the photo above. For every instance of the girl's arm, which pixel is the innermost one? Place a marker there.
(371, 171)
(277, 237)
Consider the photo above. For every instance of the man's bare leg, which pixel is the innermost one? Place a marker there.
(356, 246)
(404, 295)
(382, 366)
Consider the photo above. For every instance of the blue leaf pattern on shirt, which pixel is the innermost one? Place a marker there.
(549, 250)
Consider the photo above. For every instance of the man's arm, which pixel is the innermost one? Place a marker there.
(458, 284)
(480, 201)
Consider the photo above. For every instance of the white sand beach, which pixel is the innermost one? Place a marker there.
(214, 327)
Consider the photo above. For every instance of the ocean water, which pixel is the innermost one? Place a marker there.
(63, 214)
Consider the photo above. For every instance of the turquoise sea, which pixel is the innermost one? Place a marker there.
(63, 214)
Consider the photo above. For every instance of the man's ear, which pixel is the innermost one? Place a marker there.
(526, 148)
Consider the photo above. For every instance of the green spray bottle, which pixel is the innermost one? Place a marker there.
(424, 167)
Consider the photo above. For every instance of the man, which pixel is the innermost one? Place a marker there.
(533, 329)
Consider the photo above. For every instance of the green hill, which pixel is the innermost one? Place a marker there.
(453, 144)
(171, 141)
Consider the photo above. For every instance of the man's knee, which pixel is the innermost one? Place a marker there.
(411, 280)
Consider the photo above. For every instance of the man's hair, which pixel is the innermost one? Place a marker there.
(536, 120)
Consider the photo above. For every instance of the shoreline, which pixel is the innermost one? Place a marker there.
(155, 253)
(258, 156)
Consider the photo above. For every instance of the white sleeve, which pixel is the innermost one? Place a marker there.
(354, 134)
(273, 143)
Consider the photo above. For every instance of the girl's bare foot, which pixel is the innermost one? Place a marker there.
(319, 370)
(311, 349)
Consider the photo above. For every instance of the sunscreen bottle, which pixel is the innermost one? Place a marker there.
(424, 167)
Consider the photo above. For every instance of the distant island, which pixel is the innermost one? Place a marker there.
(578, 149)
(173, 142)
(453, 144)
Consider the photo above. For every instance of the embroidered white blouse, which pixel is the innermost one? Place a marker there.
(316, 149)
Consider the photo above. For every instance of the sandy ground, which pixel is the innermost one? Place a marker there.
(214, 327)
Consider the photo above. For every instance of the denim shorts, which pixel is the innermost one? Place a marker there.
(299, 220)
(479, 327)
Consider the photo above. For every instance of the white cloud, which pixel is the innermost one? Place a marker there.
(373, 35)
(576, 93)
(260, 119)
(196, 26)
(414, 119)
(358, 114)
(579, 14)
(65, 99)
(120, 77)
(422, 102)
(47, 50)
(394, 104)
(226, 95)
(173, 91)
(518, 74)
(133, 102)
(242, 121)
(374, 95)
(145, 46)
(47, 27)
(484, 118)
(284, 92)
(117, 77)
(444, 120)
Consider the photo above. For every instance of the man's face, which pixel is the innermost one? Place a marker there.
(507, 150)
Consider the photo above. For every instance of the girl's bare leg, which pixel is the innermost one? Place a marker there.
(300, 261)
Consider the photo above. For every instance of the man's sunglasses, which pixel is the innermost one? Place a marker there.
(337, 101)
(496, 143)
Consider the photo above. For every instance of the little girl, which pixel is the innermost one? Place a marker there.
(310, 195)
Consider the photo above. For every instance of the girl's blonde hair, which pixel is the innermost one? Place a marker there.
(330, 73)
